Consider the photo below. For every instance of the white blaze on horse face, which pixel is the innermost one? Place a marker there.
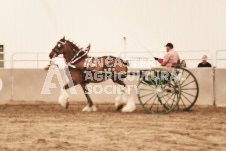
(48, 84)
(1, 84)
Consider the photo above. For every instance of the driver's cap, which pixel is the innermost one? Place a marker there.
(169, 45)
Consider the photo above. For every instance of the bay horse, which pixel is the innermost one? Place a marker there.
(78, 68)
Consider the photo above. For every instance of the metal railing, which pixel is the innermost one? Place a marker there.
(37, 60)
(102, 53)
(192, 57)
(36, 57)
(149, 53)
(220, 59)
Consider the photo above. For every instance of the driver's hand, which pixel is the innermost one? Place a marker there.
(156, 58)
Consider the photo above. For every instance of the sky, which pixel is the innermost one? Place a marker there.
(36, 25)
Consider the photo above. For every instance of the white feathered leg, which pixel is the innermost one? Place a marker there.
(63, 100)
(89, 109)
(130, 106)
(120, 100)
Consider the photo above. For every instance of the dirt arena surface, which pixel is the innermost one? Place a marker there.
(41, 126)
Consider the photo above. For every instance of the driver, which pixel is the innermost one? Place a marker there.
(170, 58)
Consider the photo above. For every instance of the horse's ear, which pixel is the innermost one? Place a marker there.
(63, 39)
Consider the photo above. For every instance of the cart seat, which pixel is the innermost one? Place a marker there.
(176, 65)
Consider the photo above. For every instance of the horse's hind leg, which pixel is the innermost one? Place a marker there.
(125, 98)
(90, 106)
(120, 99)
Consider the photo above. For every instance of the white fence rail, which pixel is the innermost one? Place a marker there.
(221, 59)
(192, 57)
(41, 59)
(32, 59)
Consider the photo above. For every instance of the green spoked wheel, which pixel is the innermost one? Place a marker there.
(158, 91)
(189, 89)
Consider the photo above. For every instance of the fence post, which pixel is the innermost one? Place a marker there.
(216, 56)
(214, 90)
(37, 59)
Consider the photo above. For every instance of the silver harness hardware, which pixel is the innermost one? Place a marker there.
(78, 56)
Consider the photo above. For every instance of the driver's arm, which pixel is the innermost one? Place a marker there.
(166, 59)
(163, 63)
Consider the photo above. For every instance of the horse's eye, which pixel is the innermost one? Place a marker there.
(59, 45)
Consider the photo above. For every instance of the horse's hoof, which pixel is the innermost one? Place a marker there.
(67, 105)
(126, 109)
(94, 108)
(119, 104)
(86, 109)
(119, 107)
(120, 101)
(129, 108)
(63, 100)
(89, 108)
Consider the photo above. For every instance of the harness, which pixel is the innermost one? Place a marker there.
(86, 63)
(79, 56)
(108, 65)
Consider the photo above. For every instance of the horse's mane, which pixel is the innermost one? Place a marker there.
(74, 45)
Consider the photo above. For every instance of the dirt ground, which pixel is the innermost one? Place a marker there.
(41, 126)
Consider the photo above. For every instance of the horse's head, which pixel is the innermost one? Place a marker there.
(70, 51)
(58, 49)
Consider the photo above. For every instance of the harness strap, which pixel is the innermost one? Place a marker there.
(80, 54)
(70, 65)
(86, 63)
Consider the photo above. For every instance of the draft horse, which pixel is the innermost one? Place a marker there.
(79, 63)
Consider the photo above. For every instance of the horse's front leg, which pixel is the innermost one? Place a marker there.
(90, 106)
(63, 98)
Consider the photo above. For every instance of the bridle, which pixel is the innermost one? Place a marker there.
(75, 58)
(59, 47)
